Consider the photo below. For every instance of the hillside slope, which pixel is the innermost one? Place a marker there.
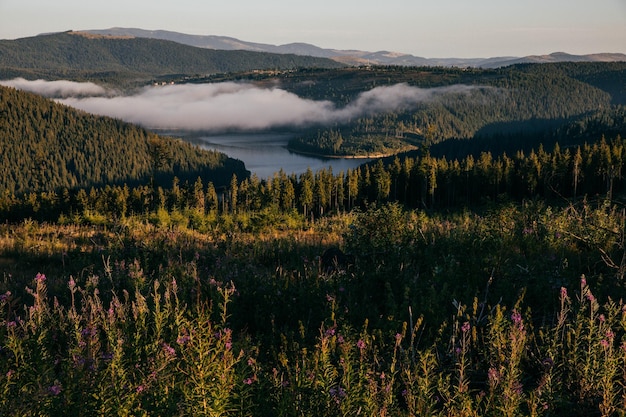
(47, 146)
(79, 55)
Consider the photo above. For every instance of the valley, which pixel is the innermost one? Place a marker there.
(143, 274)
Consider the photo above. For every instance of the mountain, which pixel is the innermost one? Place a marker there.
(80, 55)
(559, 57)
(351, 57)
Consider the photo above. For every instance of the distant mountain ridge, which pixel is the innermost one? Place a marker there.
(352, 57)
(84, 55)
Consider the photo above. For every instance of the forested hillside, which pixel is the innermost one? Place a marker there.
(79, 56)
(523, 99)
(47, 146)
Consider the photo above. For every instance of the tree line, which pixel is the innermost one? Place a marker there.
(422, 181)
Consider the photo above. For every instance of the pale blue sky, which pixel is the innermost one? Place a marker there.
(433, 28)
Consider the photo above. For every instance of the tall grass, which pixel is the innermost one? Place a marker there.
(514, 311)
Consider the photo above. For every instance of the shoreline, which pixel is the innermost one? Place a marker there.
(377, 155)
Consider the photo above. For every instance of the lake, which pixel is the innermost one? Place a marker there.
(266, 153)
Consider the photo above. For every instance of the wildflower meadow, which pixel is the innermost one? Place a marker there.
(516, 310)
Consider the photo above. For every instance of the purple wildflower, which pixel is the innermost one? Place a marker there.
(563, 292)
(140, 388)
(517, 319)
(494, 376)
(55, 389)
(168, 349)
(466, 326)
(604, 343)
(40, 277)
(548, 362)
(248, 381)
(360, 344)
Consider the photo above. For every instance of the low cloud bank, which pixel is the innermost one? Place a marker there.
(230, 105)
(56, 89)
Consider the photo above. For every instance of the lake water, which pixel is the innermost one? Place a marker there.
(266, 153)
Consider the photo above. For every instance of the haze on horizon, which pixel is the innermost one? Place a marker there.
(446, 28)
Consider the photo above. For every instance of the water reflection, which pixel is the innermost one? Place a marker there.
(266, 153)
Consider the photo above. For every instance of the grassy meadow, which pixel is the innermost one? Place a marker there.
(513, 310)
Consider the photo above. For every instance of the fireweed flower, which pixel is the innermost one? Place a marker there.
(493, 376)
(168, 349)
(465, 328)
(55, 389)
(360, 344)
(183, 339)
(517, 319)
(40, 277)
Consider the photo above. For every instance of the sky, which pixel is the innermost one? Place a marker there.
(431, 29)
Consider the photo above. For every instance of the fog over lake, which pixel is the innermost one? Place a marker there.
(265, 153)
(242, 107)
